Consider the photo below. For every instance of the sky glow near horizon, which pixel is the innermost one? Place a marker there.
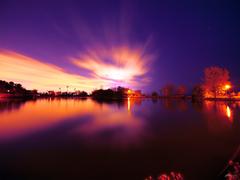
(124, 69)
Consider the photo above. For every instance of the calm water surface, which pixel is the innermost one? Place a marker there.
(132, 139)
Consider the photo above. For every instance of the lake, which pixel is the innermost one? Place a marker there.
(130, 139)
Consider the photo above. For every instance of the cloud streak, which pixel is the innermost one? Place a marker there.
(106, 58)
(120, 65)
(115, 67)
(34, 74)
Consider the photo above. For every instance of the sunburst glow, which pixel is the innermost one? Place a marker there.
(124, 67)
(118, 64)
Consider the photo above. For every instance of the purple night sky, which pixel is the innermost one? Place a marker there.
(140, 44)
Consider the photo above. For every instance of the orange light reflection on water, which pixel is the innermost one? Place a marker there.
(221, 108)
(34, 116)
(219, 115)
(228, 112)
(41, 114)
(128, 104)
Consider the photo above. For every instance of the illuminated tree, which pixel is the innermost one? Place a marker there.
(215, 81)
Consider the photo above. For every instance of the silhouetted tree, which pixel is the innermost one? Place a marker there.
(197, 92)
(181, 90)
(11, 83)
(83, 94)
(168, 90)
(154, 94)
(11, 87)
(109, 93)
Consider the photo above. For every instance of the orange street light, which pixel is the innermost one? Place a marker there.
(129, 91)
(227, 86)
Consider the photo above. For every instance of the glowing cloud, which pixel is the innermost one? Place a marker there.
(110, 55)
(121, 65)
(34, 74)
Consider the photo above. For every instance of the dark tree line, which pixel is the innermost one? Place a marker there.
(11, 87)
(117, 93)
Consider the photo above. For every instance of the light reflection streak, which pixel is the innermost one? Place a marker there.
(228, 112)
(219, 115)
(221, 107)
(128, 104)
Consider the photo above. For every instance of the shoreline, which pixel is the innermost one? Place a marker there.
(24, 97)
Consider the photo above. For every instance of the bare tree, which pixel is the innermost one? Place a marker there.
(181, 90)
(168, 90)
(197, 92)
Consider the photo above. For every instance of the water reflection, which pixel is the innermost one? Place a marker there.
(176, 104)
(120, 103)
(151, 137)
(223, 109)
(128, 103)
(23, 117)
(10, 105)
(40, 114)
(46, 113)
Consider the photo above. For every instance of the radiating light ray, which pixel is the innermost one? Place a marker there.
(119, 64)
(124, 68)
